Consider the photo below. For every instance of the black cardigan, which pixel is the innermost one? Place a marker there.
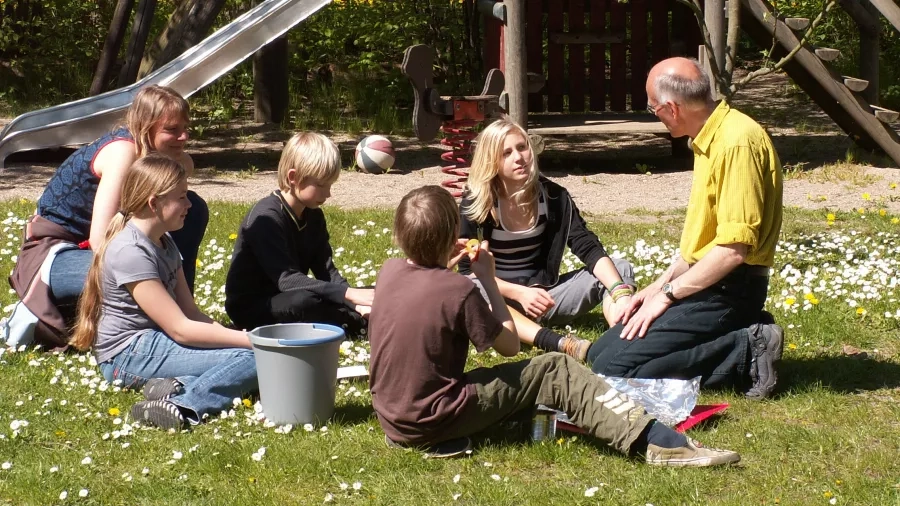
(274, 252)
(565, 226)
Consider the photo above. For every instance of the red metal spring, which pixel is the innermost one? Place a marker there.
(458, 135)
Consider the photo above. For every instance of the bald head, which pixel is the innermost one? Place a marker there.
(680, 80)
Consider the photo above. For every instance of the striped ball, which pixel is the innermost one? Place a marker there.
(375, 154)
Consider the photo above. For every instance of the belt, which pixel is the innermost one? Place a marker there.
(748, 270)
(753, 270)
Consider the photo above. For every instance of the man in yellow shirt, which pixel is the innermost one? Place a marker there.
(703, 316)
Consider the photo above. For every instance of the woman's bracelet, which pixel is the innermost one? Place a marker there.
(615, 285)
(621, 290)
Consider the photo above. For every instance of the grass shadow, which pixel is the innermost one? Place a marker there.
(842, 374)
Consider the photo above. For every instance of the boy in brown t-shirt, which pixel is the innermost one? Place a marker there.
(423, 318)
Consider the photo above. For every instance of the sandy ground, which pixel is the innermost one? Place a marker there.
(236, 162)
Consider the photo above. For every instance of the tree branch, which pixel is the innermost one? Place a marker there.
(826, 7)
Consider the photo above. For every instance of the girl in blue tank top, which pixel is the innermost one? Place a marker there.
(83, 195)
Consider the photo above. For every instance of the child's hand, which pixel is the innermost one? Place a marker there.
(459, 251)
(535, 301)
(360, 296)
(482, 262)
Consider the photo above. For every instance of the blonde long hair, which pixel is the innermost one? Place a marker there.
(151, 105)
(152, 175)
(484, 185)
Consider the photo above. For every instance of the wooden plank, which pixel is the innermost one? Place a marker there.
(586, 38)
(590, 124)
(491, 50)
(534, 17)
(516, 76)
(638, 55)
(885, 115)
(576, 57)
(598, 57)
(827, 54)
(617, 61)
(555, 69)
(797, 24)
(889, 9)
(659, 15)
(855, 84)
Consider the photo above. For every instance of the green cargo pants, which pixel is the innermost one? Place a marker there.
(558, 381)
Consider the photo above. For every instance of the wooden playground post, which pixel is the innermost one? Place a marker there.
(514, 55)
(714, 16)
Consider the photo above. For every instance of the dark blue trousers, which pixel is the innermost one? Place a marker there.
(704, 335)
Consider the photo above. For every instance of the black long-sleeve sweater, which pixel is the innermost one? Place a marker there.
(274, 252)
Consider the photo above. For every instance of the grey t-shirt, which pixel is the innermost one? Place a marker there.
(131, 256)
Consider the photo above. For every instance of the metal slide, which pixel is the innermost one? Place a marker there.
(84, 121)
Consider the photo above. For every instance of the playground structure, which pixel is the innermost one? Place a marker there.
(580, 94)
(587, 95)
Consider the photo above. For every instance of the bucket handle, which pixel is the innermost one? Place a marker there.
(338, 334)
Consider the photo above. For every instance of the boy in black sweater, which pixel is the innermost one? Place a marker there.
(283, 238)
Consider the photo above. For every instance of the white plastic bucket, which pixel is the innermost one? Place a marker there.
(297, 368)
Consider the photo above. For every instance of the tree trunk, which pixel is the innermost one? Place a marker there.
(188, 25)
(140, 30)
(111, 48)
(270, 82)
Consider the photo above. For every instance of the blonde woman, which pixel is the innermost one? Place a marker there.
(528, 221)
(139, 317)
(83, 195)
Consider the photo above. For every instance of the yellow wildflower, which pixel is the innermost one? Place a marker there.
(199, 263)
(232, 236)
(792, 346)
(860, 311)
(882, 212)
(114, 412)
(866, 196)
(790, 301)
(827, 494)
(895, 220)
(247, 403)
(830, 217)
(861, 210)
(892, 186)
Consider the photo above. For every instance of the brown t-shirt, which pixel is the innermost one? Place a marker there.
(421, 323)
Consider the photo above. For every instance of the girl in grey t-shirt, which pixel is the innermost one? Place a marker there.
(139, 316)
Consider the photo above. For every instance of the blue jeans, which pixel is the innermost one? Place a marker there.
(69, 270)
(704, 335)
(212, 377)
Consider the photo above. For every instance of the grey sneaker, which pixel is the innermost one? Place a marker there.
(575, 347)
(162, 414)
(160, 389)
(693, 454)
(459, 447)
(766, 348)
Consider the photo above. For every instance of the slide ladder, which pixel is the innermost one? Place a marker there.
(871, 127)
(85, 120)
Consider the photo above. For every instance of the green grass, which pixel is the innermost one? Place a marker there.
(831, 433)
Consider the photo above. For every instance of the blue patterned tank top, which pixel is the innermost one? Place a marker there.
(68, 199)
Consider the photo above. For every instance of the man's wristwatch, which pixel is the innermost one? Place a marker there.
(667, 290)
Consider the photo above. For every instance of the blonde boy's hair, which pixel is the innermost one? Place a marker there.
(426, 225)
(311, 155)
(483, 185)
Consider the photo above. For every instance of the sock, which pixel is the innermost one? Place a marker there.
(547, 340)
(660, 435)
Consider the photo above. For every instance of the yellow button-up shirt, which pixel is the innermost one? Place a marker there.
(736, 193)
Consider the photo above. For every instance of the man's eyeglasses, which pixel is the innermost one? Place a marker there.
(653, 108)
